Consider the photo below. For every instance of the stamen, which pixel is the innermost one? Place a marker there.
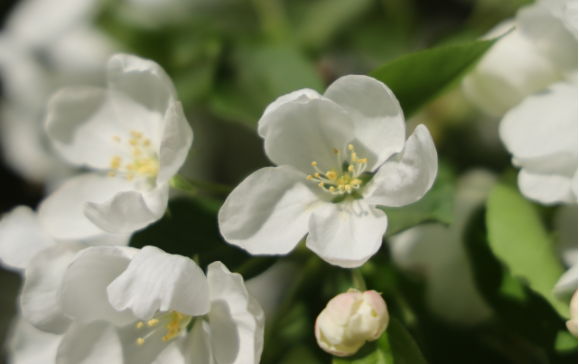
(317, 175)
(351, 168)
(310, 176)
(152, 322)
(350, 146)
(332, 189)
(348, 188)
(354, 157)
(321, 184)
(140, 325)
(116, 138)
(140, 341)
(314, 163)
(336, 151)
(332, 175)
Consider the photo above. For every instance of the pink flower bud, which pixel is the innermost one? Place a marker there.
(572, 324)
(349, 320)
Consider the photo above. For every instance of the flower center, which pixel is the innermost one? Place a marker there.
(145, 163)
(174, 322)
(344, 181)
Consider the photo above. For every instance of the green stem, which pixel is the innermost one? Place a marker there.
(191, 186)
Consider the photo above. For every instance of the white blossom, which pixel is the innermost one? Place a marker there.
(349, 320)
(327, 147)
(135, 137)
(26, 344)
(572, 324)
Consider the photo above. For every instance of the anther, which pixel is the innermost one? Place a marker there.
(351, 168)
(332, 189)
(335, 150)
(116, 138)
(152, 322)
(350, 146)
(140, 341)
(317, 175)
(140, 324)
(341, 187)
(310, 176)
(331, 175)
(314, 163)
(129, 177)
(321, 184)
(348, 188)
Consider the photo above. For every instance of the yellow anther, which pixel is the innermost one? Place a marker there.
(357, 182)
(310, 176)
(354, 157)
(139, 325)
(317, 175)
(112, 174)
(131, 167)
(360, 161)
(115, 162)
(129, 177)
(136, 134)
(341, 187)
(136, 153)
(351, 168)
(365, 160)
(335, 150)
(348, 188)
(152, 322)
(147, 142)
(350, 146)
(332, 189)
(314, 163)
(140, 341)
(332, 175)
(321, 184)
(116, 138)
(133, 142)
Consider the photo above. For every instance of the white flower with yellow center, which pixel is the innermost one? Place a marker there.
(133, 134)
(141, 304)
(339, 156)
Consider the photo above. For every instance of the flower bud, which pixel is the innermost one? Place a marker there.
(349, 320)
(572, 324)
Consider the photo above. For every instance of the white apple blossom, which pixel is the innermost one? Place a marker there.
(437, 253)
(349, 320)
(137, 305)
(327, 147)
(566, 227)
(44, 45)
(572, 324)
(25, 344)
(133, 134)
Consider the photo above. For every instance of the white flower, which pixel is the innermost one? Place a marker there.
(437, 253)
(134, 133)
(141, 303)
(566, 227)
(327, 147)
(349, 320)
(541, 133)
(572, 324)
(538, 52)
(45, 44)
(25, 344)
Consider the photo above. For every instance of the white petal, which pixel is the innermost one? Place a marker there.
(93, 343)
(346, 234)
(82, 294)
(172, 354)
(62, 215)
(546, 188)
(236, 319)
(376, 113)
(144, 82)
(549, 34)
(157, 281)
(268, 212)
(405, 180)
(43, 276)
(197, 348)
(26, 344)
(128, 211)
(21, 238)
(300, 133)
(571, 17)
(82, 125)
(567, 283)
(544, 123)
(510, 70)
(177, 139)
(31, 25)
(300, 96)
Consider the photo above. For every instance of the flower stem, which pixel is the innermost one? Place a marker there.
(191, 186)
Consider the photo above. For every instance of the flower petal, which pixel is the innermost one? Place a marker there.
(177, 139)
(567, 284)
(346, 234)
(82, 294)
(43, 276)
(544, 123)
(300, 96)
(21, 238)
(197, 348)
(376, 113)
(61, 214)
(142, 80)
(157, 281)
(82, 125)
(268, 212)
(26, 344)
(546, 188)
(128, 211)
(93, 343)
(236, 318)
(300, 133)
(405, 180)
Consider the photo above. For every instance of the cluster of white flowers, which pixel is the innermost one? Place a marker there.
(529, 79)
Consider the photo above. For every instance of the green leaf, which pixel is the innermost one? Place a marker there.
(518, 238)
(262, 74)
(418, 78)
(565, 342)
(190, 229)
(395, 346)
(514, 304)
(436, 206)
(300, 354)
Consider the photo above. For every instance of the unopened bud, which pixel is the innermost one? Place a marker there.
(349, 320)
(572, 324)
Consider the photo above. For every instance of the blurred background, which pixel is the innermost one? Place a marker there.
(229, 59)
